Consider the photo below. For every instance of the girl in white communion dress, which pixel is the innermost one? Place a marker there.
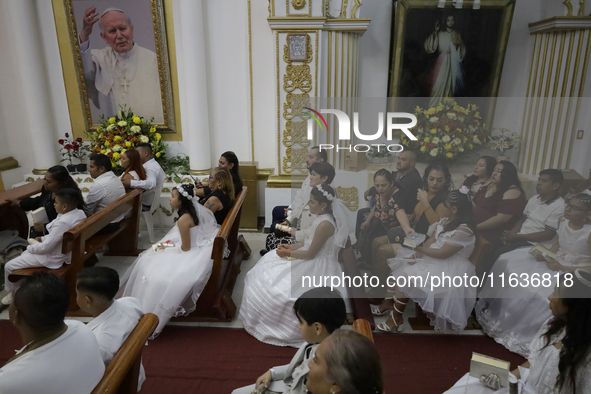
(446, 252)
(512, 314)
(559, 360)
(168, 282)
(280, 276)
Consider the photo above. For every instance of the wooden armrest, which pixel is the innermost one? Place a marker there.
(127, 355)
(362, 326)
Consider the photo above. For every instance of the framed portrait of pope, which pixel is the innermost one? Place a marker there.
(121, 59)
(448, 52)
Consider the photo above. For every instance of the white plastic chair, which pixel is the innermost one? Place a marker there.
(147, 215)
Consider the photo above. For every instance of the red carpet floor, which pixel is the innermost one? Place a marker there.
(213, 360)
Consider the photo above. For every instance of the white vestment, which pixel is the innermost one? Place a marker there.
(113, 326)
(118, 79)
(47, 253)
(70, 364)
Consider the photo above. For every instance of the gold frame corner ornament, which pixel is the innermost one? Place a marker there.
(76, 91)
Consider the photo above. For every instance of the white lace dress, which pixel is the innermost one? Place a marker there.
(448, 307)
(274, 283)
(169, 282)
(541, 376)
(512, 315)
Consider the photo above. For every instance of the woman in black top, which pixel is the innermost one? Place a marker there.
(229, 161)
(56, 178)
(220, 200)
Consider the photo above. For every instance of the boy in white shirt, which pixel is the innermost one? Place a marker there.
(113, 320)
(320, 312)
(48, 251)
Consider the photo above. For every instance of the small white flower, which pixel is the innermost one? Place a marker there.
(434, 119)
(111, 127)
(457, 141)
(116, 148)
(434, 152)
(435, 140)
(446, 138)
(136, 129)
(144, 139)
(476, 139)
(451, 115)
(122, 123)
(461, 149)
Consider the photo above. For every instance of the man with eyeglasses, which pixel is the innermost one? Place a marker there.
(539, 222)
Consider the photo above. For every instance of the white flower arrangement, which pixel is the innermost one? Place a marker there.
(122, 123)
(144, 138)
(503, 139)
(136, 129)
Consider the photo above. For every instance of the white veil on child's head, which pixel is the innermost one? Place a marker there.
(207, 223)
(343, 218)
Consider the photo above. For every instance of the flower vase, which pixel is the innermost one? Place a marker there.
(82, 167)
(71, 168)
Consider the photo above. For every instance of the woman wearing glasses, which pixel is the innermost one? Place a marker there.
(511, 312)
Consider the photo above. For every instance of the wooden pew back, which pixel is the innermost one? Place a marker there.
(215, 302)
(362, 326)
(13, 217)
(122, 374)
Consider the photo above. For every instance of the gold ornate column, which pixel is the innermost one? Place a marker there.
(302, 75)
(559, 65)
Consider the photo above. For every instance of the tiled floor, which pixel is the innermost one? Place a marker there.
(256, 242)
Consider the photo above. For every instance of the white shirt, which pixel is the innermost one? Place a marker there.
(120, 79)
(48, 252)
(70, 364)
(154, 176)
(133, 174)
(299, 201)
(542, 215)
(113, 326)
(106, 189)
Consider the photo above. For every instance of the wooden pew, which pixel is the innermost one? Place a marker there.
(84, 238)
(421, 321)
(363, 327)
(215, 303)
(122, 374)
(357, 295)
(13, 217)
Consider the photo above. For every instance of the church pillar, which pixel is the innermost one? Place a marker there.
(553, 121)
(196, 133)
(39, 123)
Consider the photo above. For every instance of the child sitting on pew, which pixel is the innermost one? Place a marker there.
(48, 251)
(113, 320)
(320, 311)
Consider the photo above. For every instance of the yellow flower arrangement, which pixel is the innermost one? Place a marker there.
(122, 132)
(446, 131)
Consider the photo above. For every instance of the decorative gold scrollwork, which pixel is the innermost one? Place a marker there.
(292, 108)
(298, 4)
(296, 133)
(88, 180)
(165, 190)
(297, 77)
(349, 196)
(295, 160)
(166, 211)
(30, 179)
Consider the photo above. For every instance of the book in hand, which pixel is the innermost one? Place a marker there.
(415, 239)
(40, 215)
(539, 250)
(482, 365)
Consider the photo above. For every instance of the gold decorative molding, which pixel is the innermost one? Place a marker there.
(344, 5)
(165, 190)
(89, 180)
(581, 8)
(560, 23)
(85, 190)
(298, 4)
(8, 163)
(349, 196)
(30, 179)
(354, 9)
(263, 174)
(286, 181)
(200, 172)
(39, 172)
(569, 7)
(251, 85)
(166, 211)
(308, 14)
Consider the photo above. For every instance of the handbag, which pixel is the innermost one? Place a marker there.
(396, 235)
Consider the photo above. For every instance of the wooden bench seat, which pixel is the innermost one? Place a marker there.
(122, 374)
(215, 302)
(421, 322)
(83, 241)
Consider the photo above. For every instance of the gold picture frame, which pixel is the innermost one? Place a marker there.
(297, 46)
(408, 51)
(79, 104)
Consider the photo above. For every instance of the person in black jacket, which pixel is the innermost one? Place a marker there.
(56, 178)
(228, 160)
